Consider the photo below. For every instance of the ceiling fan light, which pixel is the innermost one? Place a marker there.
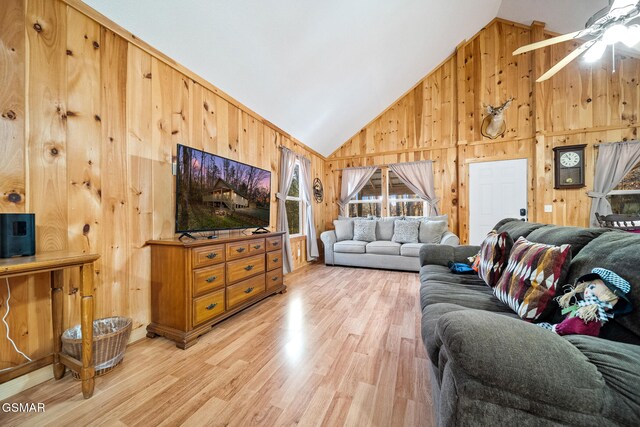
(614, 34)
(621, 7)
(632, 37)
(595, 52)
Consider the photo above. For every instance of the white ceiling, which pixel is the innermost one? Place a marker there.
(321, 70)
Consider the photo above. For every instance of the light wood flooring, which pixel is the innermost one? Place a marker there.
(341, 347)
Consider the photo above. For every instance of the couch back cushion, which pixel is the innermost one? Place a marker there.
(517, 229)
(384, 228)
(577, 237)
(344, 229)
(529, 282)
(619, 252)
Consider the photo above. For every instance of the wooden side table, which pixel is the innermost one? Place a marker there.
(55, 263)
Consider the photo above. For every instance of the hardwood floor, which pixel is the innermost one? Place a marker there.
(341, 347)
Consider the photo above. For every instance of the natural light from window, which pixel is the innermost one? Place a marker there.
(625, 198)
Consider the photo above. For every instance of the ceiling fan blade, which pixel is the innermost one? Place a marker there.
(564, 61)
(548, 42)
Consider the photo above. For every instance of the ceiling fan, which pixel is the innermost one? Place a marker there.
(606, 27)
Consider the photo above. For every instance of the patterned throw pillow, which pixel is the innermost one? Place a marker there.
(364, 230)
(405, 231)
(530, 280)
(494, 254)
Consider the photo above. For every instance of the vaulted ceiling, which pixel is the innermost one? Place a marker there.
(321, 70)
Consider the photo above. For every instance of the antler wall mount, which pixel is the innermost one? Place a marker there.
(616, 23)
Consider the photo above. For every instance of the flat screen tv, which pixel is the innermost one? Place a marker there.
(214, 193)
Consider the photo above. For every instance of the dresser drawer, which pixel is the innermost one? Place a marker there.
(237, 250)
(207, 279)
(208, 306)
(243, 268)
(207, 255)
(274, 260)
(274, 243)
(245, 290)
(274, 279)
(256, 246)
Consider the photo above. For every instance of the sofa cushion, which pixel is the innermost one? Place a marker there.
(384, 228)
(443, 274)
(411, 249)
(405, 231)
(383, 247)
(517, 229)
(432, 231)
(616, 251)
(528, 284)
(577, 237)
(364, 230)
(344, 229)
(494, 254)
(350, 247)
(473, 296)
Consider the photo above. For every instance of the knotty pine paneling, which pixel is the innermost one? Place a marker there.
(582, 104)
(102, 116)
(12, 106)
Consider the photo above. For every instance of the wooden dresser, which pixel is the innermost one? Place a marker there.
(196, 284)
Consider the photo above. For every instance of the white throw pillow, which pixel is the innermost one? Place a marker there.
(432, 231)
(344, 229)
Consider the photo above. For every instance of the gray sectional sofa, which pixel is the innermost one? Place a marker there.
(489, 367)
(380, 253)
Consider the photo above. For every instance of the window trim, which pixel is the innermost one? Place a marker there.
(301, 204)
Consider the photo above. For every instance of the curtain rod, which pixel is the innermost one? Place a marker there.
(282, 147)
(386, 165)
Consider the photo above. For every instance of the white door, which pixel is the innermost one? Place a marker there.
(497, 190)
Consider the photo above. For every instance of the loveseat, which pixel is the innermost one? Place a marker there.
(489, 367)
(379, 250)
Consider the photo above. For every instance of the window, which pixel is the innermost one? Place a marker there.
(401, 200)
(293, 204)
(625, 198)
(369, 200)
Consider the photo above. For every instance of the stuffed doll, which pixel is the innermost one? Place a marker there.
(596, 298)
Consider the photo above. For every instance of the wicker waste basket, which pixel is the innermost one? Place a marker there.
(110, 337)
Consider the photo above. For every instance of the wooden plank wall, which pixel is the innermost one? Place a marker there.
(440, 119)
(88, 133)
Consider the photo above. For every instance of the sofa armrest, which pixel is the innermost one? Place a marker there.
(450, 238)
(328, 239)
(443, 254)
(513, 361)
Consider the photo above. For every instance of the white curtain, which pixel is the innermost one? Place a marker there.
(418, 176)
(305, 193)
(287, 168)
(615, 160)
(353, 179)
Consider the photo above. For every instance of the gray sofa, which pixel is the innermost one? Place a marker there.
(381, 253)
(488, 367)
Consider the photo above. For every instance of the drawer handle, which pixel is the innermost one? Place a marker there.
(240, 250)
(275, 243)
(257, 246)
(212, 306)
(211, 279)
(248, 290)
(249, 267)
(275, 259)
(274, 278)
(212, 255)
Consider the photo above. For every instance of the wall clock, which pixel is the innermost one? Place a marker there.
(318, 192)
(569, 166)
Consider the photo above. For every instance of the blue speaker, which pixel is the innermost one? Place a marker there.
(17, 235)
